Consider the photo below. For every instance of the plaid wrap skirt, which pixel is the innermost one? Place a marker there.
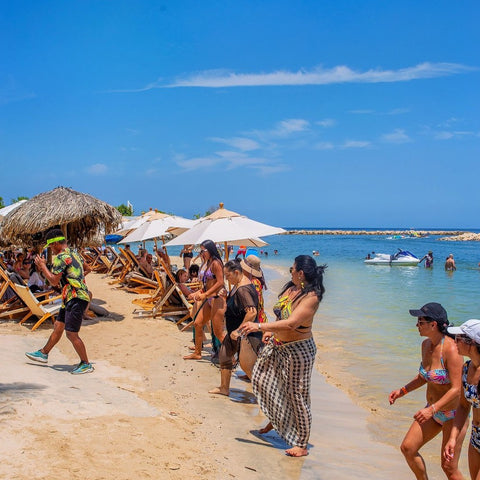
(281, 382)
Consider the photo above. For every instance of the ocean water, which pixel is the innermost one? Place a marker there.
(367, 342)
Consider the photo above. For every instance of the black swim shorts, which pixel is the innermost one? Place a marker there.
(72, 314)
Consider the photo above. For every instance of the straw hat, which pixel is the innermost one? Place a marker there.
(251, 264)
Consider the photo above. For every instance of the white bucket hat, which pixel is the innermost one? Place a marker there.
(471, 328)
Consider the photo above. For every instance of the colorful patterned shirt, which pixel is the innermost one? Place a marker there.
(262, 317)
(73, 285)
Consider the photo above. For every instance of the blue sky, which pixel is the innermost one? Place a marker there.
(306, 113)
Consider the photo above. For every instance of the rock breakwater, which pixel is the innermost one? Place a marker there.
(406, 233)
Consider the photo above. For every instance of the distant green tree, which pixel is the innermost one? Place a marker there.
(1, 202)
(124, 210)
(209, 211)
(15, 200)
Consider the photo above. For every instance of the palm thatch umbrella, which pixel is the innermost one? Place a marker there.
(81, 217)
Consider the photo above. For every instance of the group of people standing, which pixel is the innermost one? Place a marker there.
(277, 356)
(453, 387)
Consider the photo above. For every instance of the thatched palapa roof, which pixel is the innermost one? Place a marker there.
(80, 215)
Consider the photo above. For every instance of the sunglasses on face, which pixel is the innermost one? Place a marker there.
(423, 322)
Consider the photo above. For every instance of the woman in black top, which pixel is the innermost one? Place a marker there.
(242, 306)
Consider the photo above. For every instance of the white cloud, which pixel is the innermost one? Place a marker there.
(316, 76)
(397, 136)
(270, 169)
(283, 129)
(356, 144)
(449, 122)
(244, 144)
(323, 146)
(97, 169)
(327, 122)
(362, 112)
(447, 135)
(198, 163)
(398, 111)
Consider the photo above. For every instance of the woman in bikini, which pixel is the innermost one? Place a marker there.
(467, 338)
(441, 370)
(282, 375)
(242, 307)
(210, 304)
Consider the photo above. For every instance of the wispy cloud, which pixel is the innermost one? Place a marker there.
(271, 169)
(398, 111)
(362, 112)
(327, 122)
(394, 111)
(397, 136)
(323, 146)
(447, 135)
(316, 76)
(11, 91)
(97, 169)
(283, 129)
(244, 144)
(197, 163)
(355, 144)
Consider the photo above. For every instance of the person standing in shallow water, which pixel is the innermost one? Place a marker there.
(282, 374)
(441, 370)
(67, 271)
(428, 259)
(450, 263)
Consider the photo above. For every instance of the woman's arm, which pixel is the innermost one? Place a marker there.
(250, 314)
(417, 382)
(461, 417)
(302, 314)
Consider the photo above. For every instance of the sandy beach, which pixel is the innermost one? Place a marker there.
(146, 413)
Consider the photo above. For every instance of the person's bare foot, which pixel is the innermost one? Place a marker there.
(219, 391)
(266, 428)
(193, 356)
(243, 377)
(296, 452)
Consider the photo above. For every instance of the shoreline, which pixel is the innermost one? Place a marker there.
(154, 409)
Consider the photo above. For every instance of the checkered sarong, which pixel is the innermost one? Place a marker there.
(281, 382)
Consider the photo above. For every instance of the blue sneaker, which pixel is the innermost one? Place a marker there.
(37, 356)
(82, 367)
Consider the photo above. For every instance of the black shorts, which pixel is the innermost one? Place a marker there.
(72, 314)
(188, 255)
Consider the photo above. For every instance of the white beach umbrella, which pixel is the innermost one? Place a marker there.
(10, 208)
(225, 226)
(157, 228)
(136, 222)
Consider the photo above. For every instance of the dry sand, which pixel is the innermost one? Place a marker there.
(145, 413)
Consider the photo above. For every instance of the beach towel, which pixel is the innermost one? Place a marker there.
(281, 382)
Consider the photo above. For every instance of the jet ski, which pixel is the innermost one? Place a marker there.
(402, 258)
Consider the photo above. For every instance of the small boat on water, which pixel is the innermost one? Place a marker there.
(401, 258)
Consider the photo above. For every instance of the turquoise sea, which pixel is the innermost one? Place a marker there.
(368, 342)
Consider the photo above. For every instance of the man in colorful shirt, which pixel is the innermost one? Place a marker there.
(67, 272)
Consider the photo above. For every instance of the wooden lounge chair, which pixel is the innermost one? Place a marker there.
(42, 309)
(173, 302)
(128, 267)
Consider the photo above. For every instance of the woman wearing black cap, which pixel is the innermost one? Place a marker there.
(440, 369)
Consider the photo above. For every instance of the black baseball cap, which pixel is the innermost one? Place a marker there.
(431, 310)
